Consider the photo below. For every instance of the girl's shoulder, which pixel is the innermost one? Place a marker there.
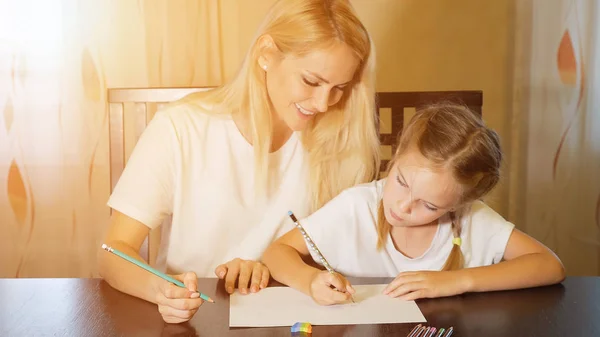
(481, 218)
(481, 211)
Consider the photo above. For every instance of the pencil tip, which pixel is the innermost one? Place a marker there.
(211, 300)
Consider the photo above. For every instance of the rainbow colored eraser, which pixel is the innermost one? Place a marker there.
(302, 327)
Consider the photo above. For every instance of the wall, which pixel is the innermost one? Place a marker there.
(55, 68)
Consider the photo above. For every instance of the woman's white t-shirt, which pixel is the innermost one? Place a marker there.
(345, 231)
(199, 168)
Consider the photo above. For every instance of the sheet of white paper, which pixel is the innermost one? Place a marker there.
(283, 306)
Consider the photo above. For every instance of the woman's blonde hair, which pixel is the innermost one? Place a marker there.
(342, 144)
(451, 137)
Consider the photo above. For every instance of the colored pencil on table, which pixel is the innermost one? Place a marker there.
(441, 332)
(412, 332)
(449, 332)
(421, 330)
(150, 269)
(313, 246)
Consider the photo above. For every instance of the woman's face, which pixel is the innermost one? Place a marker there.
(301, 87)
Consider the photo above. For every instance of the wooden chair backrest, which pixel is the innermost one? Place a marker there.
(396, 108)
(129, 111)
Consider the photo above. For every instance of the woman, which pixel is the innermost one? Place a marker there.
(290, 131)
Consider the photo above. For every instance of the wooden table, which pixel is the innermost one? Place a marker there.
(90, 307)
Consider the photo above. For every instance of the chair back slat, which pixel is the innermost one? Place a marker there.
(116, 142)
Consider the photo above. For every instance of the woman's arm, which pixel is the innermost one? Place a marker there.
(127, 235)
(175, 304)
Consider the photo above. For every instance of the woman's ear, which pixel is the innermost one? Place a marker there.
(267, 51)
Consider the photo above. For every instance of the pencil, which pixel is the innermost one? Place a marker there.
(449, 332)
(150, 269)
(423, 330)
(412, 332)
(313, 246)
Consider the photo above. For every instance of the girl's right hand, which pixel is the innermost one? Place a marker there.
(177, 304)
(322, 292)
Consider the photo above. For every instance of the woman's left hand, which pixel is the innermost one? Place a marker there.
(247, 272)
(427, 284)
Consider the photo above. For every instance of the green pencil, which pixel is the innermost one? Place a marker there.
(150, 269)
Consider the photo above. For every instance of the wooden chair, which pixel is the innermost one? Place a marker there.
(131, 109)
(394, 108)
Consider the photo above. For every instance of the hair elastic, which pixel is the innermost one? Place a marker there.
(457, 241)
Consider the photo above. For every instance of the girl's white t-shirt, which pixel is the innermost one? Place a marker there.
(345, 231)
(199, 168)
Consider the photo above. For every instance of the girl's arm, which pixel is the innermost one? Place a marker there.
(527, 263)
(284, 258)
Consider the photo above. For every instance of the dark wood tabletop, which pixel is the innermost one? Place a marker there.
(90, 307)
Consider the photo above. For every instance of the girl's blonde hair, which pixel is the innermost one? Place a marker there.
(451, 137)
(342, 144)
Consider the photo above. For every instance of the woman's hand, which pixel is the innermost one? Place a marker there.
(322, 292)
(246, 272)
(427, 284)
(177, 304)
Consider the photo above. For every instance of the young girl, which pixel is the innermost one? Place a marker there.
(424, 224)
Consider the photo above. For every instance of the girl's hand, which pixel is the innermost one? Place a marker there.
(427, 284)
(247, 271)
(177, 304)
(322, 292)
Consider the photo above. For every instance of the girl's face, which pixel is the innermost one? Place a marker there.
(301, 87)
(417, 193)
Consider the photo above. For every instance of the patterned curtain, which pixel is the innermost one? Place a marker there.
(555, 168)
(56, 63)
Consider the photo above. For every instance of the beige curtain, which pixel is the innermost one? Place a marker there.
(55, 65)
(555, 151)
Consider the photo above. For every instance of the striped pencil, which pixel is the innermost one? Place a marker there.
(313, 246)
